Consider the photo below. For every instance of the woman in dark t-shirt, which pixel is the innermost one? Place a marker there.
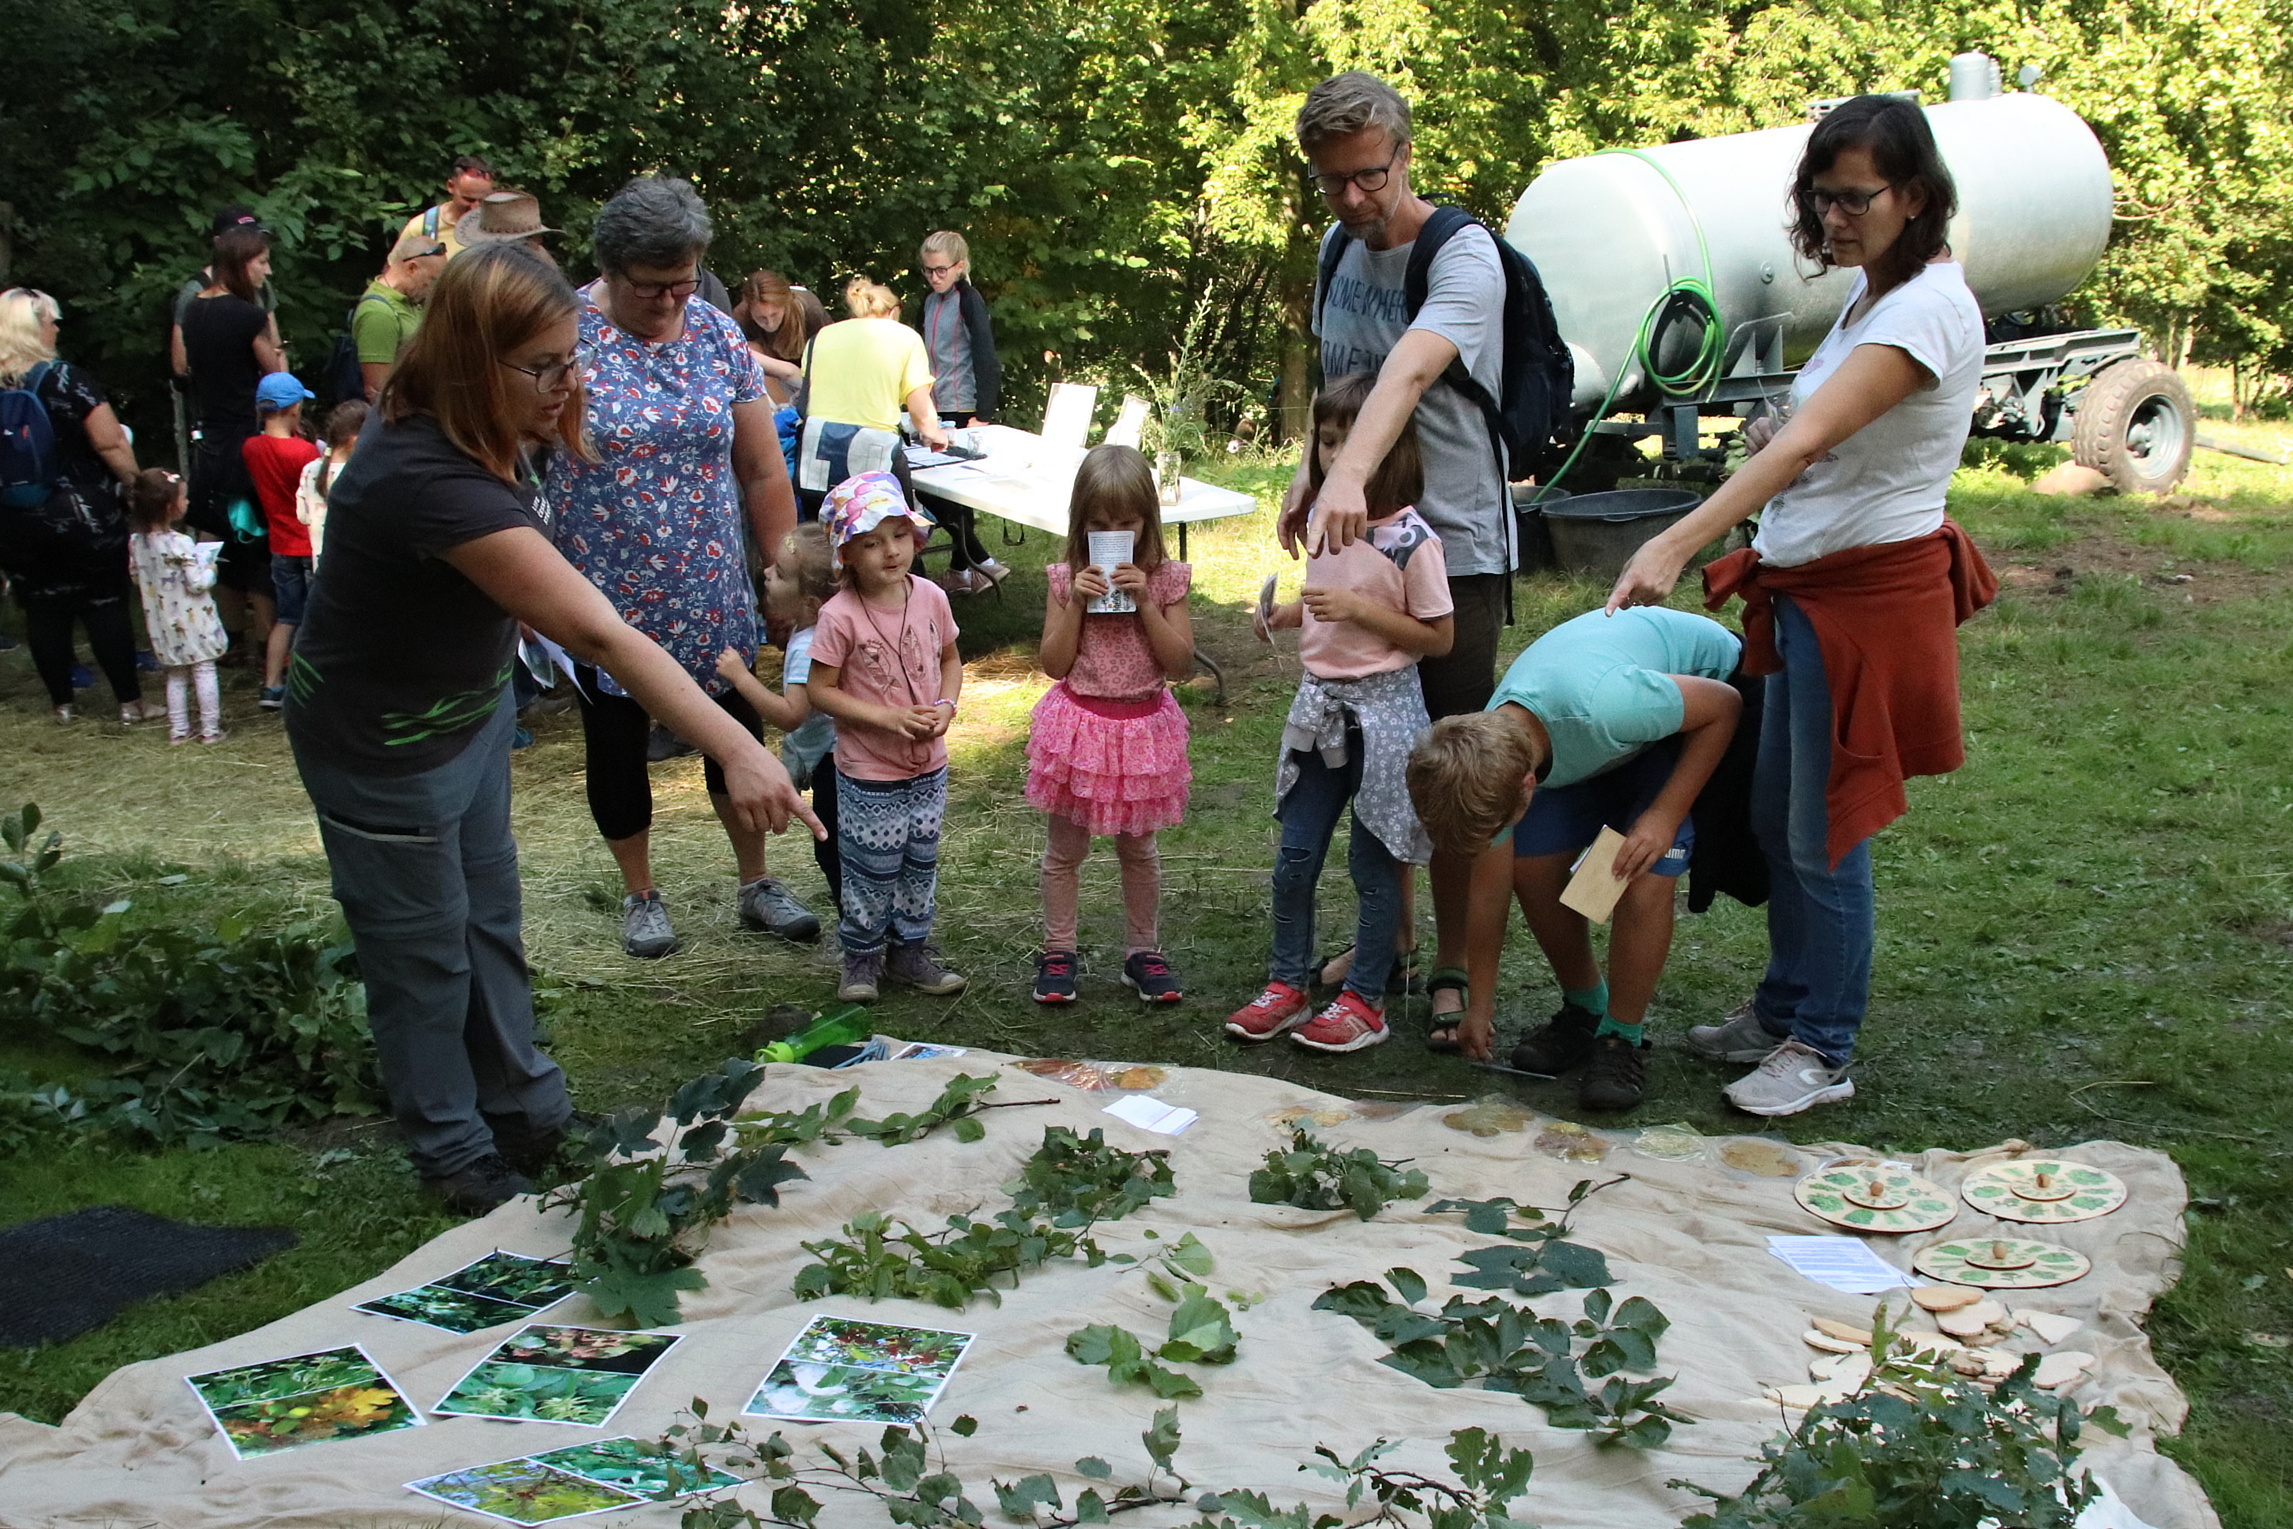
(399, 714)
(228, 348)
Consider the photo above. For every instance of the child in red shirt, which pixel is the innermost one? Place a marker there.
(275, 461)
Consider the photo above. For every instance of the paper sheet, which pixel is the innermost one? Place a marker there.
(1594, 889)
(1843, 1263)
(1151, 1114)
(1110, 550)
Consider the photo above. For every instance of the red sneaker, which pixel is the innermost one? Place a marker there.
(1281, 1007)
(1348, 1024)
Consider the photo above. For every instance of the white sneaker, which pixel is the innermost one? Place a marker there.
(1738, 1037)
(1794, 1077)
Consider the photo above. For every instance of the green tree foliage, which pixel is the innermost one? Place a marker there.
(1120, 167)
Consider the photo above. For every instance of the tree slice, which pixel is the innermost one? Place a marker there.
(1944, 1297)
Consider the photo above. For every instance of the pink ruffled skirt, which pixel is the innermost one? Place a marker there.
(1115, 767)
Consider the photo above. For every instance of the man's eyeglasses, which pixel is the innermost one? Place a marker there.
(1371, 179)
(649, 291)
(551, 377)
(1853, 203)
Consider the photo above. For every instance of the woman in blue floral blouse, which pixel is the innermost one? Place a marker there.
(689, 472)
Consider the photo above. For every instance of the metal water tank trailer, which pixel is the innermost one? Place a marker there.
(1613, 234)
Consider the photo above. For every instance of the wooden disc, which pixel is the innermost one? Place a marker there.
(2000, 1263)
(2043, 1190)
(1874, 1198)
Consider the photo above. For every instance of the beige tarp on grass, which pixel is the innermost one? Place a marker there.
(1688, 1235)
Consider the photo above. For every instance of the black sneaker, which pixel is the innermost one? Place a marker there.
(1617, 1076)
(1055, 977)
(484, 1185)
(1562, 1042)
(534, 1153)
(1150, 975)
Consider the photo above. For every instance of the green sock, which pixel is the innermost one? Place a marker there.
(1611, 1027)
(1593, 1000)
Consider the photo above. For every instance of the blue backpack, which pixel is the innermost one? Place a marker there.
(28, 474)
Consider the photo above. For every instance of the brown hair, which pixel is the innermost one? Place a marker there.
(343, 422)
(787, 342)
(488, 302)
(1115, 477)
(235, 250)
(1465, 778)
(809, 561)
(815, 311)
(151, 497)
(1902, 147)
(1399, 481)
(865, 299)
(1345, 104)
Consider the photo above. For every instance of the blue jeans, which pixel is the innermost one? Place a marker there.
(1821, 923)
(1309, 818)
(427, 875)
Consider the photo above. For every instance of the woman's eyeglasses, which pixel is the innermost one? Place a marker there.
(1853, 203)
(650, 291)
(551, 377)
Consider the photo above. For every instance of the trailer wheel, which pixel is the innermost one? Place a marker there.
(2136, 425)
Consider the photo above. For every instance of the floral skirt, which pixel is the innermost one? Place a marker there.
(1116, 767)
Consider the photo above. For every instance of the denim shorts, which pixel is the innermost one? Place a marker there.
(290, 587)
(1563, 819)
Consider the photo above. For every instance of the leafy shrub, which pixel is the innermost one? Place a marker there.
(213, 1033)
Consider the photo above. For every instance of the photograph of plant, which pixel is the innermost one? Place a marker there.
(538, 1394)
(848, 1342)
(287, 1422)
(820, 1393)
(272, 1378)
(624, 1463)
(522, 1492)
(498, 1288)
(586, 1348)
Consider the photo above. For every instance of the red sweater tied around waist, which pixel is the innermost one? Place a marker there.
(1886, 618)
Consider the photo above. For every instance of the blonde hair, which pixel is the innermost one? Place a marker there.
(949, 243)
(22, 311)
(809, 561)
(865, 299)
(1345, 104)
(1120, 478)
(1465, 778)
(488, 302)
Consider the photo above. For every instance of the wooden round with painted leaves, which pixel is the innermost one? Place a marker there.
(1875, 1198)
(2000, 1263)
(2043, 1190)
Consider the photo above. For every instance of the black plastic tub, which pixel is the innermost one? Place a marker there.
(1595, 535)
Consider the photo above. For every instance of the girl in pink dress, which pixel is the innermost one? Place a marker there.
(1106, 753)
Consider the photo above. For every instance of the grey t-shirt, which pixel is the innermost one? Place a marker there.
(1362, 319)
(955, 389)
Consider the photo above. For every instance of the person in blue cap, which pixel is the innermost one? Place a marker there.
(275, 461)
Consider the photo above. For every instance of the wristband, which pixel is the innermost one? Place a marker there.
(944, 701)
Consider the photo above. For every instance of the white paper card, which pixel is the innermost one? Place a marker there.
(1110, 550)
(1067, 416)
(1843, 1263)
(1151, 1114)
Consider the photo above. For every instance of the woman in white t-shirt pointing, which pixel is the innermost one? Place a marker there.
(1853, 588)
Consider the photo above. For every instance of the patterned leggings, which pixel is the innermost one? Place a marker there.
(887, 835)
(182, 680)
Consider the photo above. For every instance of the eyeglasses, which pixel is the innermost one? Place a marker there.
(937, 270)
(1853, 203)
(551, 377)
(649, 291)
(1371, 179)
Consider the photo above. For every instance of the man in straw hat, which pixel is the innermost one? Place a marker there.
(390, 308)
(505, 216)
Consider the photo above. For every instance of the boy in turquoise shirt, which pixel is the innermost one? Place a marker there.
(1605, 720)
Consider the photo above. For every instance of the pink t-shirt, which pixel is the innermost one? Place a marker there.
(1398, 564)
(891, 658)
(1113, 660)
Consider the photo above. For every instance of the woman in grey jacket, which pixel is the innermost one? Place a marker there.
(967, 380)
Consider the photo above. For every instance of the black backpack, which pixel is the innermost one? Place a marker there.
(1529, 424)
(342, 380)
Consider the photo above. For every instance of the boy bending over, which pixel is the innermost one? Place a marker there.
(1605, 720)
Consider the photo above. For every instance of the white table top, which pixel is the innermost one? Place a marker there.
(1028, 480)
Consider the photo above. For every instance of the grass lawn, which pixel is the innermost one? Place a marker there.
(2086, 932)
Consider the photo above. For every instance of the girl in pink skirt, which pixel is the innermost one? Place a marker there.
(1107, 750)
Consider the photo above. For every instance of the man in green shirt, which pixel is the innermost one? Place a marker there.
(390, 308)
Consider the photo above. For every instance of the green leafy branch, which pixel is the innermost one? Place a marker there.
(1507, 1347)
(832, 1122)
(644, 1215)
(1314, 1176)
(1077, 1180)
(1201, 1329)
(1545, 1261)
(1916, 1443)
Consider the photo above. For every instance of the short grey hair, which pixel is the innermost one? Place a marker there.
(1347, 103)
(654, 221)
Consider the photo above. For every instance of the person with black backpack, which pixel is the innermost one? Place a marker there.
(385, 318)
(1456, 327)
